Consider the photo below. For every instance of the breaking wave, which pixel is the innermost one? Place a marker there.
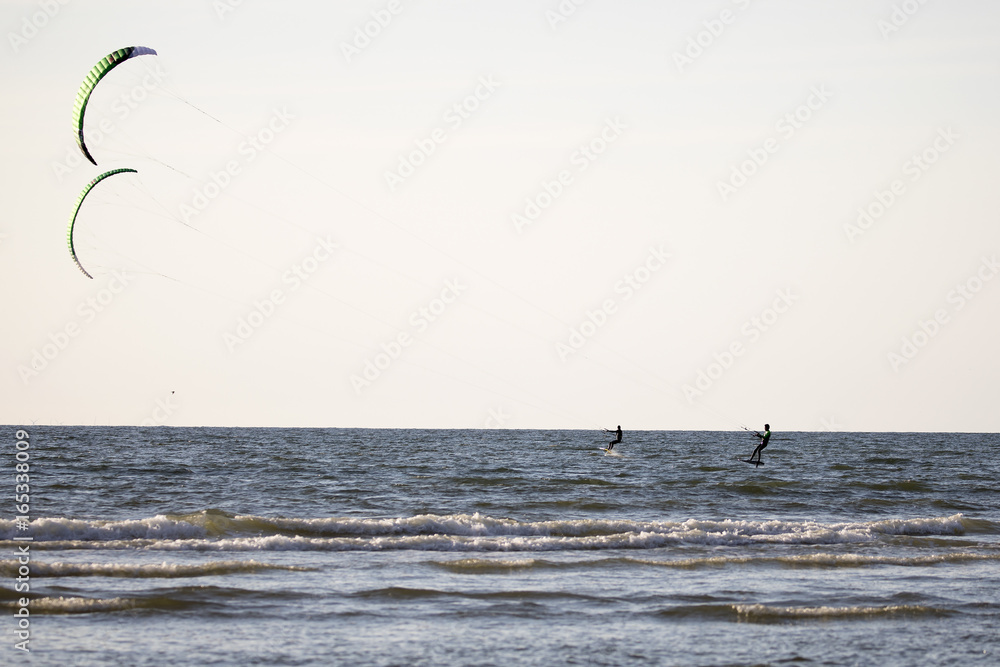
(211, 530)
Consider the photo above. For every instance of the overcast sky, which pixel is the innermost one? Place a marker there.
(664, 215)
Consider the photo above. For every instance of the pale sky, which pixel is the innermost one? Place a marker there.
(664, 215)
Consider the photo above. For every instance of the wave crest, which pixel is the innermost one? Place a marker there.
(9, 568)
(214, 530)
(762, 613)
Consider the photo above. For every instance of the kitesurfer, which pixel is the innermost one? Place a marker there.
(618, 437)
(764, 437)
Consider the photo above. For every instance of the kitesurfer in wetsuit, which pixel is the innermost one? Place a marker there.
(618, 437)
(763, 441)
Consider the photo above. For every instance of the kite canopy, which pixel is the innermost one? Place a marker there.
(76, 209)
(105, 65)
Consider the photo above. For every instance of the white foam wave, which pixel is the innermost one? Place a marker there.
(822, 560)
(765, 612)
(79, 605)
(460, 532)
(490, 565)
(157, 527)
(146, 570)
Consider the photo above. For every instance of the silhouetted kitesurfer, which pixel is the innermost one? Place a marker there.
(618, 437)
(764, 437)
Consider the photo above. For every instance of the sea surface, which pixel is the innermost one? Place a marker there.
(229, 546)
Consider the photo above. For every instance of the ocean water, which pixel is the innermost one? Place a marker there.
(227, 546)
